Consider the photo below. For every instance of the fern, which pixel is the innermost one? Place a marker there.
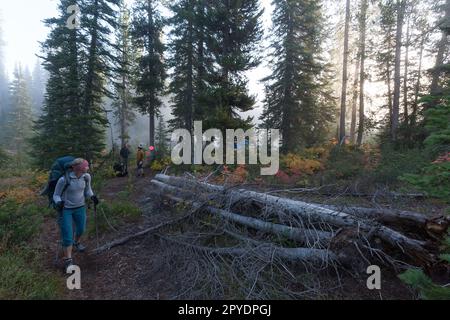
(445, 257)
(427, 289)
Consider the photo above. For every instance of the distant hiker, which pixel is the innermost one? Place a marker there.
(119, 170)
(69, 199)
(140, 160)
(124, 155)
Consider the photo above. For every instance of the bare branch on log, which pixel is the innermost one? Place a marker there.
(312, 237)
(292, 254)
(309, 214)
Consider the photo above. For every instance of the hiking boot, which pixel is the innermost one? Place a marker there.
(67, 264)
(79, 247)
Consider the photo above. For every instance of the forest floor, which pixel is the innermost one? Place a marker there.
(125, 272)
(138, 270)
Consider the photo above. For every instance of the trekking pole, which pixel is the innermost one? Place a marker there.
(59, 248)
(96, 224)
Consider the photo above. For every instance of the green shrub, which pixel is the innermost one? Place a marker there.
(421, 282)
(395, 163)
(21, 278)
(113, 215)
(19, 223)
(427, 289)
(4, 158)
(437, 122)
(345, 162)
(434, 180)
(123, 195)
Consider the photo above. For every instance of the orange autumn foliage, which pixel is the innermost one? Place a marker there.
(238, 176)
(19, 195)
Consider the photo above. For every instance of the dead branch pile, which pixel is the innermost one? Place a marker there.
(304, 232)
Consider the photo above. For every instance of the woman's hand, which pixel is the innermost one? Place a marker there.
(95, 200)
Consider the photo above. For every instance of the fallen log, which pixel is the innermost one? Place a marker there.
(434, 226)
(189, 184)
(184, 182)
(307, 236)
(347, 193)
(293, 254)
(314, 256)
(147, 231)
(310, 213)
(383, 215)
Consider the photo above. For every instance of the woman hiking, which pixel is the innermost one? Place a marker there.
(69, 198)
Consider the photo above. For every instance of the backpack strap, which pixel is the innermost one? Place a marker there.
(67, 183)
(67, 180)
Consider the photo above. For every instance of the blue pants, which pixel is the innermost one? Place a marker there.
(66, 220)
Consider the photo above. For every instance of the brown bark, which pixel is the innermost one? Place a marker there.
(401, 6)
(363, 22)
(354, 101)
(405, 75)
(417, 87)
(342, 125)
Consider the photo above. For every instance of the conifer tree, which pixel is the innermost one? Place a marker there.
(3, 89)
(57, 128)
(183, 59)
(124, 82)
(99, 17)
(151, 73)
(38, 83)
(235, 32)
(385, 52)
(162, 140)
(20, 118)
(298, 100)
(78, 61)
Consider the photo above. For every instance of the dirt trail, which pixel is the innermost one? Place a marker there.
(132, 271)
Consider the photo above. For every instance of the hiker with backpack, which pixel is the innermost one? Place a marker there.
(140, 160)
(69, 199)
(124, 155)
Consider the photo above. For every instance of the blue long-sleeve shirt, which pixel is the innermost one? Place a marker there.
(76, 193)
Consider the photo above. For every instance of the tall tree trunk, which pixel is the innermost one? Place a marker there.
(364, 5)
(200, 70)
(405, 75)
(89, 98)
(389, 87)
(123, 120)
(152, 128)
(442, 47)
(151, 52)
(355, 100)
(344, 74)
(389, 77)
(401, 5)
(190, 77)
(417, 87)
